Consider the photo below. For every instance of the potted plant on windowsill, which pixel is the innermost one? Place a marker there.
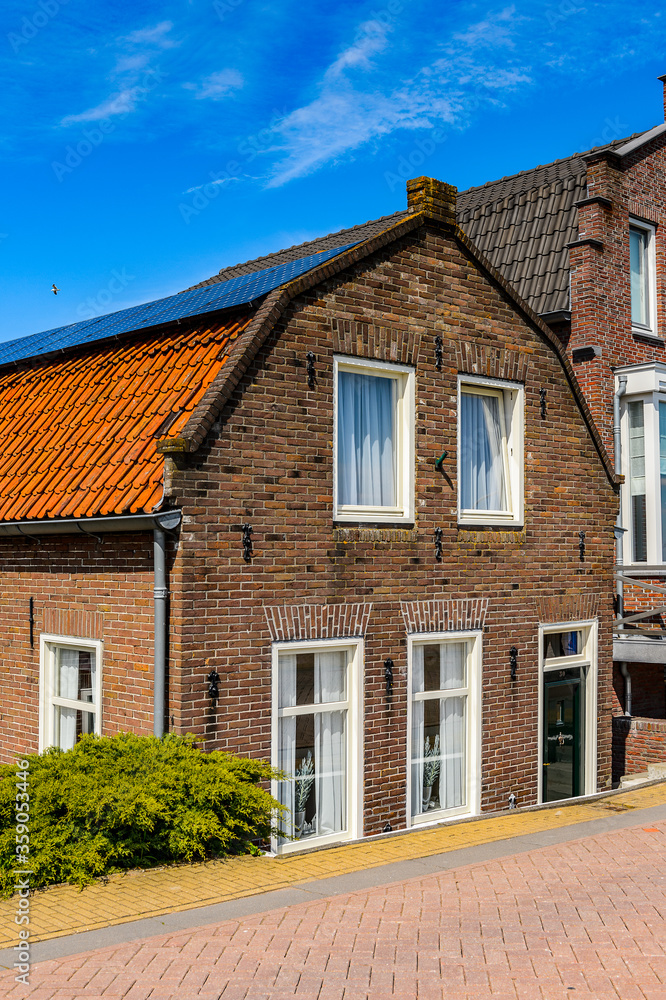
(304, 780)
(431, 766)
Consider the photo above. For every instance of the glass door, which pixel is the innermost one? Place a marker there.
(563, 729)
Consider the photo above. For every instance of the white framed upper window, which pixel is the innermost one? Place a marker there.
(642, 265)
(490, 451)
(567, 710)
(317, 740)
(643, 454)
(70, 690)
(373, 441)
(444, 726)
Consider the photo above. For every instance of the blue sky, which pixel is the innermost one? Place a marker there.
(144, 146)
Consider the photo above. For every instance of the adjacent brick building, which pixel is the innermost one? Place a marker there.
(386, 517)
(582, 240)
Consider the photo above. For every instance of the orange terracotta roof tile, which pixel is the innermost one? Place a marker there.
(78, 436)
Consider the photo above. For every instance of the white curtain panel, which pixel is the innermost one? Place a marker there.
(452, 775)
(483, 485)
(452, 661)
(330, 755)
(67, 686)
(452, 744)
(366, 440)
(639, 297)
(418, 737)
(662, 475)
(287, 735)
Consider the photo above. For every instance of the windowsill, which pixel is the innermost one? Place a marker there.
(643, 569)
(341, 521)
(312, 843)
(490, 524)
(441, 816)
(647, 335)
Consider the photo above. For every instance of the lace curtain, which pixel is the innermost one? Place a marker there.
(330, 765)
(451, 783)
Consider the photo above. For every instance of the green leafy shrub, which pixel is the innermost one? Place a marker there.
(113, 803)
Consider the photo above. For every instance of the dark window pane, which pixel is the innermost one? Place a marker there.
(305, 679)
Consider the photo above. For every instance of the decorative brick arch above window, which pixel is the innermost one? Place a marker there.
(444, 616)
(317, 621)
(567, 608)
(73, 622)
(493, 362)
(378, 343)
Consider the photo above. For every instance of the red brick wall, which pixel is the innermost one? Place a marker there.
(97, 591)
(648, 691)
(637, 743)
(600, 289)
(269, 463)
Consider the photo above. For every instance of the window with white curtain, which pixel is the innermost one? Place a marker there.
(643, 457)
(315, 737)
(642, 278)
(70, 690)
(490, 452)
(443, 730)
(374, 441)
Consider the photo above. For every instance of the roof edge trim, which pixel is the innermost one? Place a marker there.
(168, 520)
(629, 147)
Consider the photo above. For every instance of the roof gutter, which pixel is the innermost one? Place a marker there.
(167, 521)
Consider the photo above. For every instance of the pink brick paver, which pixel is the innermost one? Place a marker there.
(583, 919)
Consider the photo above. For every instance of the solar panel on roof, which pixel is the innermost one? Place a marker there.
(198, 302)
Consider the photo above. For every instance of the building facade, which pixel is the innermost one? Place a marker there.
(382, 512)
(583, 241)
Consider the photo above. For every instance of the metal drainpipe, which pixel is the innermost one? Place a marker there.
(619, 535)
(160, 594)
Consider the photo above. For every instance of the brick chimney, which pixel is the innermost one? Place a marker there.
(663, 80)
(434, 198)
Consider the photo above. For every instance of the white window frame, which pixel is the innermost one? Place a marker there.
(47, 696)
(588, 662)
(404, 375)
(649, 329)
(512, 415)
(354, 704)
(646, 383)
(473, 735)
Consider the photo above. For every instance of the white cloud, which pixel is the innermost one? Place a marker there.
(155, 36)
(491, 33)
(133, 76)
(358, 103)
(215, 183)
(129, 64)
(117, 104)
(217, 85)
(371, 39)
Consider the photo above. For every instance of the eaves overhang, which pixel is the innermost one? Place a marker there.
(167, 520)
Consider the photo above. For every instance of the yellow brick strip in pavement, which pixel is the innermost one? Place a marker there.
(135, 895)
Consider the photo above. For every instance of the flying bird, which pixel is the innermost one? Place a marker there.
(54, 289)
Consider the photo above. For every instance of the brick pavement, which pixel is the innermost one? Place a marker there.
(63, 910)
(583, 919)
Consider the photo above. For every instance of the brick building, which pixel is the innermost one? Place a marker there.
(365, 474)
(582, 240)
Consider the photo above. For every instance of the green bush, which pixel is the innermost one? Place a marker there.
(113, 803)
